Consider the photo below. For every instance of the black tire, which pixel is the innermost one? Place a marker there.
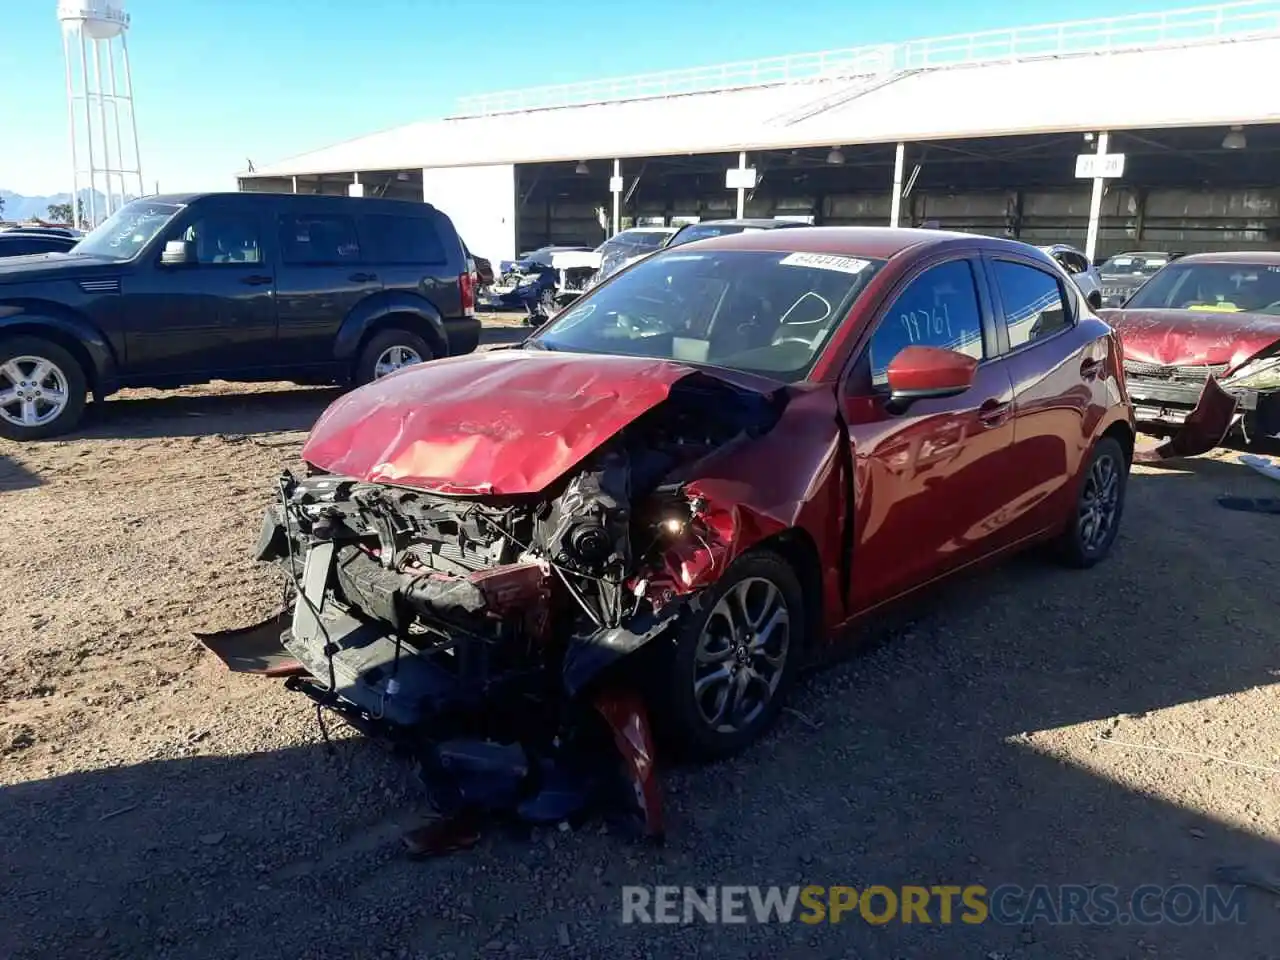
(385, 340)
(677, 716)
(64, 366)
(1078, 546)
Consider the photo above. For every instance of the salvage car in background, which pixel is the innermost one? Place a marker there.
(1204, 332)
(1081, 270)
(546, 531)
(628, 246)
(26, 243)
(722, 228)
(541, 281)
(1124, 273)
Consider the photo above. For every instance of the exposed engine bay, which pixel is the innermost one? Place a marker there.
(461, 620)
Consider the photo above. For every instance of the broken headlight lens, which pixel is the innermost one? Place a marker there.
(1258, 374)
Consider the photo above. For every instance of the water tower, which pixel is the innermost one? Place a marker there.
(103, 132)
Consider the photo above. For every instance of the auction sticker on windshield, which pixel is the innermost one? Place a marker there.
(823, 261)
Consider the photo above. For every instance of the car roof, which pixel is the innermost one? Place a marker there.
(1267, 258)
(880, 243)
(762, 223)
(648, 230)
(1141, 253)
(182, 199)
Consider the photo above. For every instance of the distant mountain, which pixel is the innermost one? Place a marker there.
(20, 207)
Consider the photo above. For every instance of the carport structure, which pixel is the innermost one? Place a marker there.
(977, 132)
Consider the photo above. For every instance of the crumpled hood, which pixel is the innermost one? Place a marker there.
(1192, 337)
(503, 422)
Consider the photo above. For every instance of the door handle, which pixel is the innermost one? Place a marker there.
(256, 280)
(1090, 368)
(993, 412)
(363, 277)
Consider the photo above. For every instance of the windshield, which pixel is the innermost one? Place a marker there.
(1143, 264)
(766, 313)
(1225, 287)
(122, 235)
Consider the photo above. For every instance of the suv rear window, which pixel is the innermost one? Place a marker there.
(397, 239)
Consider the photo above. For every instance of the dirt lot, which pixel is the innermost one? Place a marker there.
(152, 805)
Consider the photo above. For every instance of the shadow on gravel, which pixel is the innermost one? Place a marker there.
(907, 764)
(203, 416)
(14, 476)
(250, 411)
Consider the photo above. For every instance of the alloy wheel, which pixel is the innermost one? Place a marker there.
(33, 391)
(393, 359)
(741, 654)
(1098, 503)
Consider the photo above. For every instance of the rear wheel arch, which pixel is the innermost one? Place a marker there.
(1123, 435)
(412, 322)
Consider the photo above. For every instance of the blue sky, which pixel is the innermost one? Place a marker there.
(217, 81)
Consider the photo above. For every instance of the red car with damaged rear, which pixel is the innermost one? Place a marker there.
(1202, 348)
(688, 482)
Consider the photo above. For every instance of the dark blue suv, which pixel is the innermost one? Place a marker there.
(181, 289)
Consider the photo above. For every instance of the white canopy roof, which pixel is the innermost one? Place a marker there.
(1203, 84)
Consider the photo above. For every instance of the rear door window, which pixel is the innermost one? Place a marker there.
(1035, 304)
(318, 240)
(404, 240)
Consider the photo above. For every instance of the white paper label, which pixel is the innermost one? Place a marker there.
(823, 261)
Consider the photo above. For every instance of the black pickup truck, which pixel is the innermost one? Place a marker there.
(180, 289)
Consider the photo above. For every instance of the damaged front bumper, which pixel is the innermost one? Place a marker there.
(1203, 410)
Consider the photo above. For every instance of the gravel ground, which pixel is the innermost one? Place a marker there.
(153, 805)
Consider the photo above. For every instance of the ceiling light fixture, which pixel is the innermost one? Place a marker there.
(835, 157)
(582, 169)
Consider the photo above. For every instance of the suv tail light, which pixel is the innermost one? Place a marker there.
(467, 289)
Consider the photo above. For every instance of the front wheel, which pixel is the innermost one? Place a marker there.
(42, 389)
(733, 664)
(1093, 525)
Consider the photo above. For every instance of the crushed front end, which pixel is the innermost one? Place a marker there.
(502, 631)
(1203, 403)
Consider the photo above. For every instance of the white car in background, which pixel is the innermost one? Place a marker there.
(1084, 273)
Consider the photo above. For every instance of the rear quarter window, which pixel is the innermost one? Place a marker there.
(396, 239)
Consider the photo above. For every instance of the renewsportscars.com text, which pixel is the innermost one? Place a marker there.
(938, 904)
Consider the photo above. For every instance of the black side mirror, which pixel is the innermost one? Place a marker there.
(178, 252)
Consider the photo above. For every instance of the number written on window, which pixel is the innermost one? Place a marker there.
(938, 309)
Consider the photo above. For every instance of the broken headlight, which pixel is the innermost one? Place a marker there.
(1260, 373)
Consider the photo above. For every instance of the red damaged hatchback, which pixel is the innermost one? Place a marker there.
(687, 482)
